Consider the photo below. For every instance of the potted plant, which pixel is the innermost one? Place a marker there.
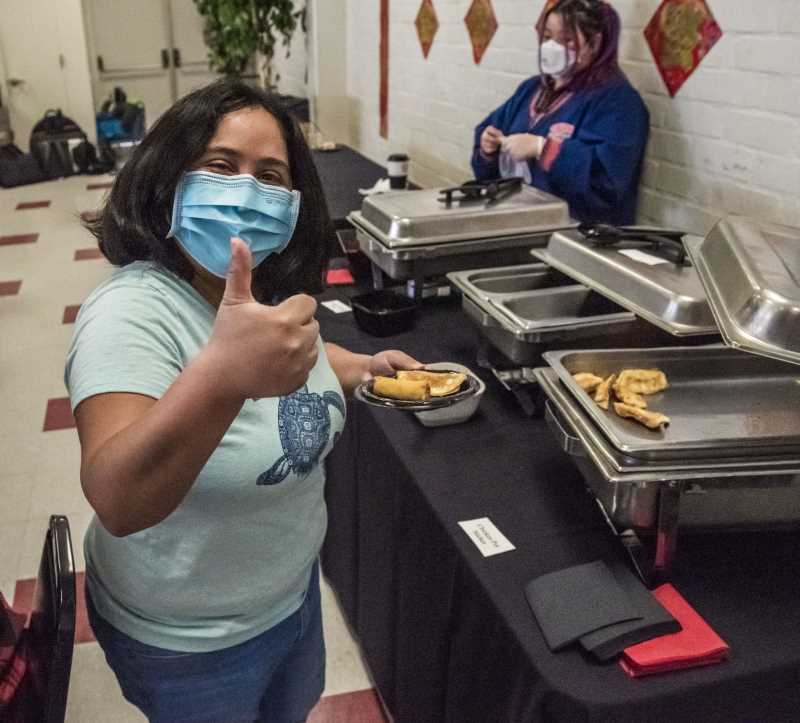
(237, 31)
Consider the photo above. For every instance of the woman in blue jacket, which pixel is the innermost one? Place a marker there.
(579, 129)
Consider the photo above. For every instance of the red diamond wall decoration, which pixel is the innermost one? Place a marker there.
(482, 25)
(680, 35)
(427, 24)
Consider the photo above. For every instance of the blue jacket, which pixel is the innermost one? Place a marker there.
(593, 155)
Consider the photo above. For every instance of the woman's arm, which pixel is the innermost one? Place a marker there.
(502, 118)
(140, 456)
(351, 369)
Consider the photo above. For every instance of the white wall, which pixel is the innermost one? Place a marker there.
(76, 71)
(729, 141)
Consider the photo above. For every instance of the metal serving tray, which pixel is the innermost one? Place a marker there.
(719, 400)
(411, 262)
(715, 497)
(751, 274)
(667, 294)
(404, 219)
(520, 309)
(616, 462)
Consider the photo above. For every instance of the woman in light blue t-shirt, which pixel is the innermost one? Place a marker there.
(205, 403)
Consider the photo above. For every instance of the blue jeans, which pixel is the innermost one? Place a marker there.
(277, 677)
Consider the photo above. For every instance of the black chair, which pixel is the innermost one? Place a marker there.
(42, 697)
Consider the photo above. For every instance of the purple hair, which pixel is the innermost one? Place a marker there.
(591, 17)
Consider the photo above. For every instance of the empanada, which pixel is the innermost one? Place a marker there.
(587, 381)
(441, 383)
(640, 381)
(650, 419)
(406, 389)
(602, 394)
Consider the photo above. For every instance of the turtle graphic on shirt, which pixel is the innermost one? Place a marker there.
(304, 425)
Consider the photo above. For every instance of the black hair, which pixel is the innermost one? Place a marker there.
(134, 222)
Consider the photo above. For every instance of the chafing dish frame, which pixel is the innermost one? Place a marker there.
(657, 500)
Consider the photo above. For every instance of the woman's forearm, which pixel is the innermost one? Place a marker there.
(140, 474)
(350, 368)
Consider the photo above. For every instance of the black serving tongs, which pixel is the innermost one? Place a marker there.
(665, 242)
(492, 191)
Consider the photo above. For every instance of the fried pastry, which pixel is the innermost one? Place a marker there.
(441, 383)
(640, 381)
(406, 389)
(587, 381)
(650, 419)
(631, 398)
(602, 394)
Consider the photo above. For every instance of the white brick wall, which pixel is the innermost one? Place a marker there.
(729, 141)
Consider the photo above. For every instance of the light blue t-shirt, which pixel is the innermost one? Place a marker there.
(234, 558)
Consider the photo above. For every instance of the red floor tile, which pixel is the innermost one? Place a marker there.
(98, 186)
(85, 254)
(9, 288)
(70, 314)
(362, 706)
(20, 238)
(58, 415)
(32, 204)
(23, 600)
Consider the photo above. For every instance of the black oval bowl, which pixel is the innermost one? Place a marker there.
(383, 313)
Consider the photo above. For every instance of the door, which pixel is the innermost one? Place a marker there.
(152, 49)
(130, 48)
(33, 70)
(190, 53)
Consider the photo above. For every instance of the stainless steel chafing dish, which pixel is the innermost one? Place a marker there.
(418, 234)
(589, 293)
(731, 455)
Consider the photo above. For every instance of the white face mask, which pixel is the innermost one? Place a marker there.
(555, 59)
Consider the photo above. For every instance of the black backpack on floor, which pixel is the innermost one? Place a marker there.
(51, 141)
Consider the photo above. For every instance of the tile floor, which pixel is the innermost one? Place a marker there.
(48, 265)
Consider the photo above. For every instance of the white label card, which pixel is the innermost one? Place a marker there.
(487, 538)
(336, 306)
(648, 259)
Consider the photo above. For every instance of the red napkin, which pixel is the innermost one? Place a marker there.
(340, 276)
(697, 644)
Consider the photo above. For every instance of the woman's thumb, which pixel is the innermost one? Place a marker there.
(237, 280)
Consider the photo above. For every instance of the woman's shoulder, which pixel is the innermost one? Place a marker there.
(143, 285)
(618, 89)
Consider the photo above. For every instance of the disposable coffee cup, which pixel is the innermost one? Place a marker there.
(397, 166)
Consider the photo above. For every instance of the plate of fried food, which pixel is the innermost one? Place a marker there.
(418, 390)
(626, 393)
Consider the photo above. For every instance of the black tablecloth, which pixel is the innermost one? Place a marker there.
(342, 173)
(448, 634)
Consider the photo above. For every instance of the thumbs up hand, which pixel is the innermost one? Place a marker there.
(258, 350)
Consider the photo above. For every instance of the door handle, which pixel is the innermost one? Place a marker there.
(15, 82)
(164, 58)
(176, 57)
(100, 65)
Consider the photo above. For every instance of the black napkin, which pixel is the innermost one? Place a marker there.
(572, 602)
(605, 643)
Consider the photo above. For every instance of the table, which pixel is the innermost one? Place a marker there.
(342, 173)
(448, 635)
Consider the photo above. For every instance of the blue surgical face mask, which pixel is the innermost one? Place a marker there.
(210, 208)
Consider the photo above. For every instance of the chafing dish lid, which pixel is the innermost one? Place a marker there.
(420, 218)
(665, 293)
(751, 274)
